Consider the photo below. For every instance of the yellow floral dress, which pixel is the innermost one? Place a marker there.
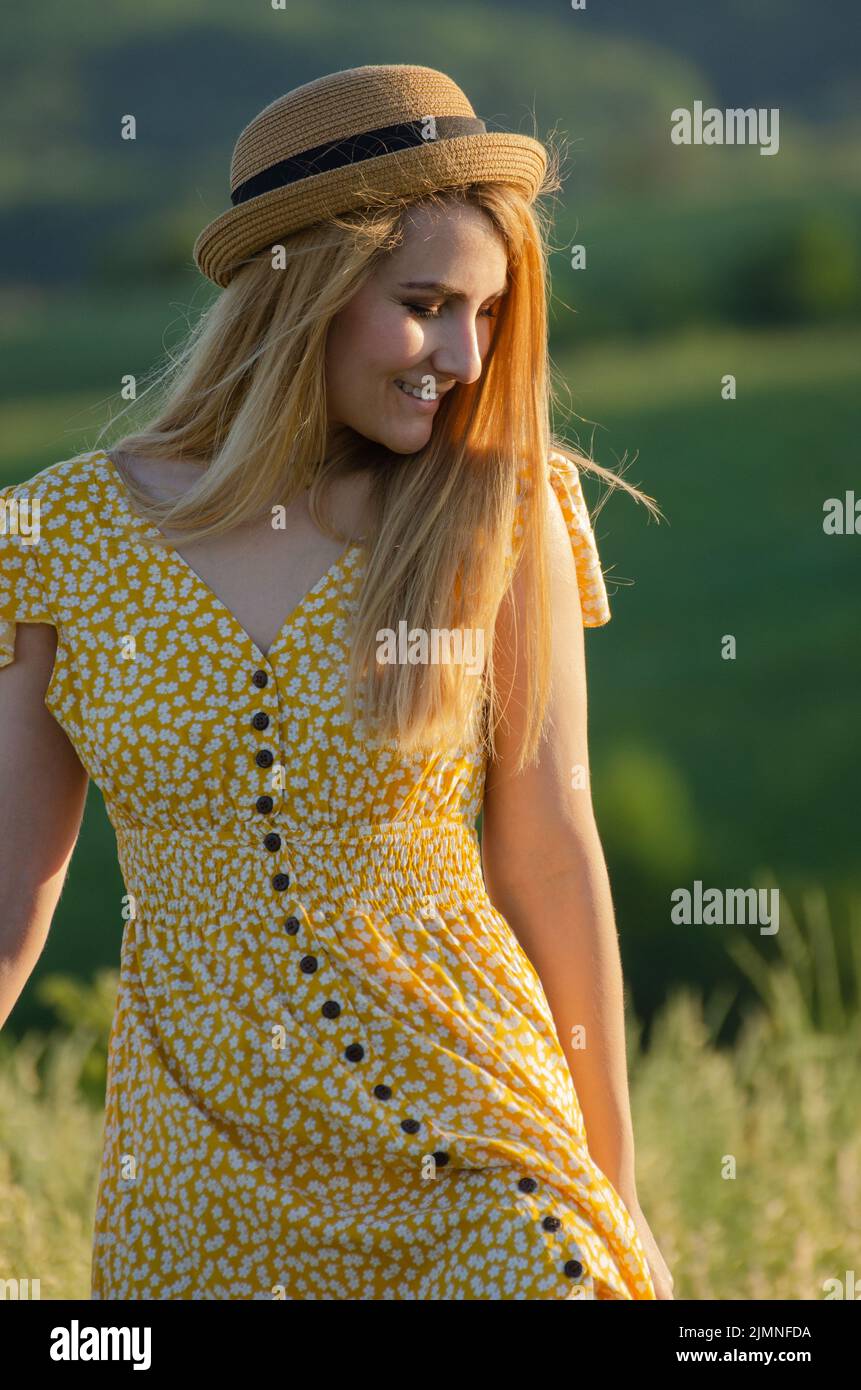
(333, 1072)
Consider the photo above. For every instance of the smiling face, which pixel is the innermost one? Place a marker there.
(423, 321)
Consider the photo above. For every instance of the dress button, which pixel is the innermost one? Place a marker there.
(551, 1223)
(308, 964)
(264, 758)
(354, 1053)
(383, 1092)
(573, 1269)
(411, 1126)
(292, 925)
(272, 841)
(264, 805)
(527, 1184)
(440, 1158)
(331, 1008)
(260, 721)
(260, 678)
(280, 882)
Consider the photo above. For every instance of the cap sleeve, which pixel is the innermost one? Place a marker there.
(22, 595)
(564, 477)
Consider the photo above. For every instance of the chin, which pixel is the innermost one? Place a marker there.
(409, 441)
(400, 438)
(395, 447)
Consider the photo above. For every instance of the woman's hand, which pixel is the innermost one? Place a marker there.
(661, 1276)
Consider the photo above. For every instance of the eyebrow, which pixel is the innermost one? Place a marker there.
(442, 288)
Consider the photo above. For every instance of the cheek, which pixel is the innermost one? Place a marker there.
(372, 342)
(388, 340)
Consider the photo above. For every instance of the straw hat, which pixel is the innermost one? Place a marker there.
(321, 148)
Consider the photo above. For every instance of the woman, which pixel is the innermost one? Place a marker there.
(347, 1038)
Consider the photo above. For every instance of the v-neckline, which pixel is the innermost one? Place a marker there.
(116, 480)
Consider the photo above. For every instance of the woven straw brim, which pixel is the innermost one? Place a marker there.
(242, 231)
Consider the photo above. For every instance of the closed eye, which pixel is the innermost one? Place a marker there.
(424, 312)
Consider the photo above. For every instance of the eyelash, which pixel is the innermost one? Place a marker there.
(423, 312)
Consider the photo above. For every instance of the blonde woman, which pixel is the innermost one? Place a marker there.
(324, 608)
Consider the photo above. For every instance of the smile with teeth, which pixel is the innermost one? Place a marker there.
(415, 391)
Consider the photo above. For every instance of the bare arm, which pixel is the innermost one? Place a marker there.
(43, 790)
(545, 870)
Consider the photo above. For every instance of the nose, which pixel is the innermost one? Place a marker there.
(459, 355)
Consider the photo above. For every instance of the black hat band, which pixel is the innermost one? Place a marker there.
(368, 145)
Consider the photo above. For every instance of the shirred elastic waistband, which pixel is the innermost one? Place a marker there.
(385, 862)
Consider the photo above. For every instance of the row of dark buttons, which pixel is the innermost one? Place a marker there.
(264, 757)
(354, 1052)
(573, 1268)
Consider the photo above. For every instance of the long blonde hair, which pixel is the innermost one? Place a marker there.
(246, 396)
